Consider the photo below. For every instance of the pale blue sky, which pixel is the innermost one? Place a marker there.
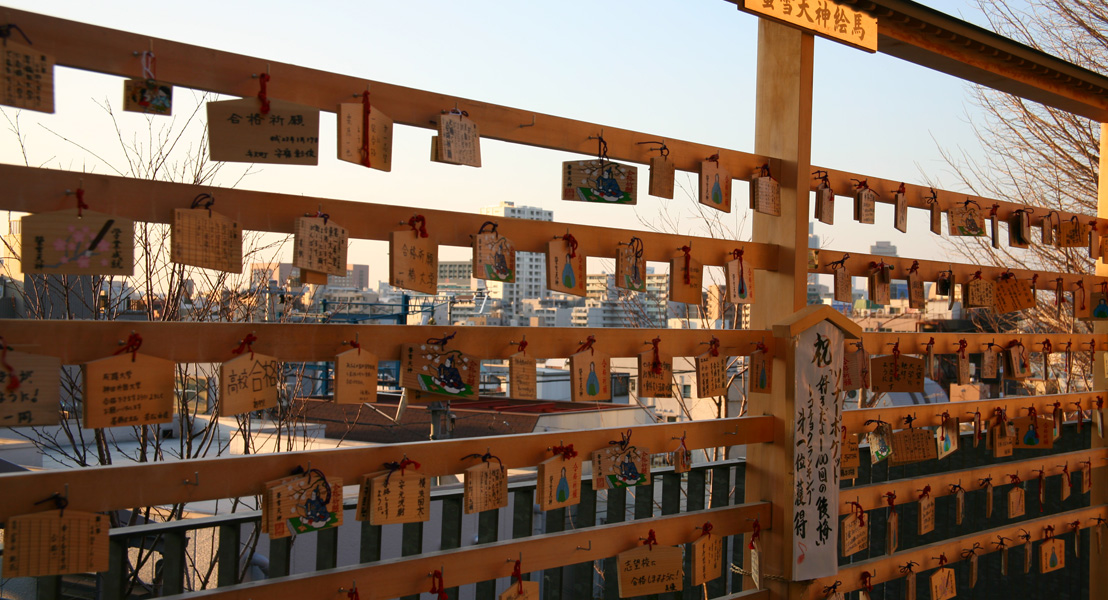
(680, 69)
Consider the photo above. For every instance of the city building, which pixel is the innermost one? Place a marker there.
(285, 274)
(883, 249)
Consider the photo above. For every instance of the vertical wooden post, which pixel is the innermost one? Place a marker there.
(1098, 563)
(783, 131)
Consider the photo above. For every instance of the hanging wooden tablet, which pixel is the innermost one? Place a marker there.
(756, 563)
(988, 486)
(981, 293)
(631, 266)
(910, 586)
(1012, 294)
(1098, 303)
(761, 372)
(880, 442)
(1016, 501)
(740, 280)
(494, 257)
(485, 487)
(854, 535)
(1086, 477)
(936, 215)
(900, 210)
(879, 283)
(963, 367)
(1019, 230)
(765, 193)
(850, 460)
(121, 391)
(912, 445)
(247, 383)
(601, 181)
(959, 505)
(147, 96)
(27, 79)
(947, 439)
(856, 369)
(55, 542)
(413, 261)
(1036, 433)
(373, 150)
(319, 244)
(272, 507)
(76, 242)
(1026, 553)
(681, 458)
(994, 226)
(30, 390)
(650, 570)
(356, 377)
(1098, 417)
(661, 176)
(238, 131)
(565, 267)
(1003, 441)
(707, 559)
(1094, 241)
(436, 370)
(615, 467)
(1019, 362)
(865, 203)
(305, 503)
(559, 482)
(459, 141)
(711, 375)
(966, 220)
(522, 377)
(943, 586)
(892, 533)
(1071, 234)
(402, 496)
(926, 514)
(590, 376)
(1049, 229)
(655, 374)
(896, 374)
(843, 291)
(205, 239)
(714, 189)
(521, 590)
(973, 569)
(917, 298)
(989, 364)
(825, 203)
(685, 279)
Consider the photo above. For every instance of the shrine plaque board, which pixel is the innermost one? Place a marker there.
(559, 482)
(306, 503)
(355, 377)
(287, 135)
(650, 570)
(630, 268)
(600, 181)
(761, 372)
(1013, 294)
(37, 400)
(616, 468)
(121, 391)
(740, 282)
(62, 243)
(943, 586)
(851, 459)
(204, 239)
(494, 257)
(966, 221)
(926, 514)
(55, 543)
(402, 497)
(899, 374)
(1052, 555)
(320, 245)
(714, 190)
(707, 558)
(711, 375)
(590, 376)
(565, 268)
(655, 377)
(765, 195)
(913, 445)
(351, 120)
(413, 262)
(1017, 501)
(1038, 435)
(685, 279)
(247, 383)
(459, 141)
(27, 79)
(661, 177)
(948, 437)
(855, 535)
(530, 591)
(431, 368)
(147, 96)
(485, 488)
(865, 206)
(522, 377)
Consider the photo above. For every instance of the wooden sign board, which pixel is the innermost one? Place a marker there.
(1099, 305)
(148, 96)
(272, 506)
(926, 514)
(936, 218)
(685, 280)
(765, 195)
(707, 559)
(948, 438)
(613, 467)
(494, 257)
(837, 22)
(55, 543)
(27, 78)
(900, 212)
(850, 460)
(459, 141)
(650, 570)
(856, 370)
(62, 243)
(681, 459)
(355, 377)
(990, 365)
(916, 296)
(655, 376)
(714, 190)
(892, 533)
(630, 268)
(119, 391)
(565, 268)
(523, 377)
(590, 376)
(959, 505)
(37, 399)
(485, 488)
(306, 503)
(963, 365)
(880, 442)
(980, 293)
(943, 586)
(1072, 234)
(204, 239)
(320, 245)
(966, 221)
(661, 177)
(1019, 230)
(521, 590)
(1020, 362)
(855, 535)
(247, 383)
(287, 135)
(756, 563)
(1037, 435)
(1052, 555)
(711, 375)
(399, 497)
(1013, 294)
(761, 373)
(600, 181)
(413, 262)
(435, 370)
(865, 206)
(843, 290)
(912, 446)
(559, 482)
(904, 374)
(879, 284)
(740, 282)
(1017, 501)
(1002, 441)
(352, 142)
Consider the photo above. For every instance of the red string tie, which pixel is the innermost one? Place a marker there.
(399, 466)
(1066, 475)
(650, 540)
(713, 347)
(1081, 288)
(867, 578)
(422, 228)
(262, 95)
(1034, 280)
(81, 205)
(862, 185)
(357, 345)
(688, 263)
(657, 367)
(353, 594)
(572, 242)
(942, 430)
(706, 529)
(962, 345)
(566, 451)
(522, 347)
(517, 574)
(365, 128)
(942, 559)
(890, 498)
(896, 361)
(902, 189)
(247, 343)
(755, 533)
(438, 587)
(132, 345)
(859, 511)
(1015, 479)
(993, 209)
(737, 254)
(1048, 532)
(912, 270)
(589, 341)
(976, 275)
(13, 379)
(713, 158)
(925, 492)
(1099, 402)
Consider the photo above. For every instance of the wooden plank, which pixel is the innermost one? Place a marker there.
(929, 414)
(947, 343)
(116, 487)
(404, 576)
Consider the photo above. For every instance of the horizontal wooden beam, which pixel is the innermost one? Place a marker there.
(887, 568)
(97, 489)
(485, 562)
(912, 342)
(931, 414)
(872, 496)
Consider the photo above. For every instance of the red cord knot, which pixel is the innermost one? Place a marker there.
(687, 250)
(247, 343)
(1099, 402)
(1080, 288)
(517, 575)
(366, 108)
(1005, 276)
(861, 184)
(867, 581)
(589, 341)
(421, 229)
(993, 210)
(132, 345)
(706, 529)
(81, 204)
(522, 347)
(403, 464)
(890, 498)
(356, 344)
(651, 540)
(1034, 281)
(755, 533)
(942, 559)
(925, 492)
(438, 586)
(912, 270)
(962, 345)
(567, 452)
(976, 275)
(263, 79)
(902, 189)
(713, 346)
(13, 379)
(713, 158)
(859, 512)
(1048, 532)
(572, 243)
(656, 368)
(1075, 525)
(1015, 479)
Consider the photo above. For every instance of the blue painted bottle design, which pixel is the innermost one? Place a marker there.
(592, 385)
(568, 278)
(762, 378)
(717, 191)
(562, 493)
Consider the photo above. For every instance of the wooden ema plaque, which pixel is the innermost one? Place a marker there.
(912, 445)
(399, 497)
(1052, 555)
(650, 570)
(494, 257)
(559, 482)
(630, 267)
(355, 377)
(565, 268)
(711, 375)
(865, 206)
(685, 280)
(431, 368)
(148, 96)
(1001, 440)
(916, 296)
(892, 533)
(1017, 501)
(55, 543)
(900, 212)
(825, 204)
(27, 79)
(966, 221)
(287, 135)
(990, 366)
(37, 399)
(926, 514)
(1012, 294)
(62, 243)
(880, 442)
(521, 590)
(714, 189)
(850, 460)
(761, 372)
(740, 282)
(351, 147)
(879, 284)
(856, 370)
(1072, 234)
(614, 467)
(1037, 434)
(943, 586)
(896, 374)
(1019, 362)
(854, 536)
(413, 262)
(590, 376)
(601, 181)
(459, 141)
(962, 363)
(655, 377)
(485, 488)
(121, 391)
(1098, 304)
(765, 195)
(936, 217)
(522, 377)
(959, 505)
(304, 503)
(271, 503)
(248, 383)
(843, 290)
(980, 293)
(320, 245)
(707, 558)
(948, 438)
(661, 177)
(204, 239)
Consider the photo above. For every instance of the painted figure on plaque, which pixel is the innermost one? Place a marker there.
(970, 226)
(628, 472)
(569, 280)
(449, 378)
(1031, 438)
(1053, 560)
(1100, 311)
(607, 187)
(592, 385)
(562, 491)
